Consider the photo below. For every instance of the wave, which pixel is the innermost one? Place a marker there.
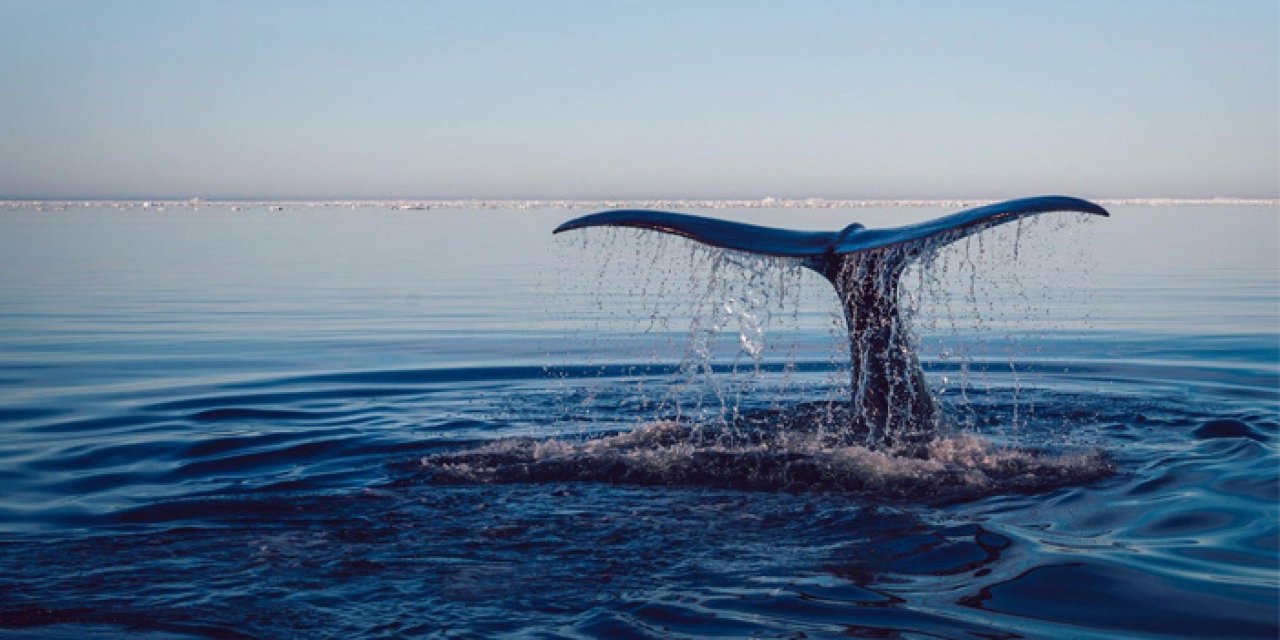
(951, 468)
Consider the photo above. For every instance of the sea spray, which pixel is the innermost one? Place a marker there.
(957, 467)
(742, 312)
(961, 296)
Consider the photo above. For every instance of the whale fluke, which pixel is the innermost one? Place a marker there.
(890, 398)
(811, 244)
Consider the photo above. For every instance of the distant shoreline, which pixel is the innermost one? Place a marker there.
(655, 203)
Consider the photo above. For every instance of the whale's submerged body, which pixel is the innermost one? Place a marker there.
(890, 402)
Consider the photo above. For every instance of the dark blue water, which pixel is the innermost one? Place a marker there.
(325, 422)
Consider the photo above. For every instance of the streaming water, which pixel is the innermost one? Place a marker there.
(215, 423)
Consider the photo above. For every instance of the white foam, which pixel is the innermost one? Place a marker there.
(670, 453)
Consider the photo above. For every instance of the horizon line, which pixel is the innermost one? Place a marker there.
(767, 201)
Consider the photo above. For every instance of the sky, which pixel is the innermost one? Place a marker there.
(600, 99)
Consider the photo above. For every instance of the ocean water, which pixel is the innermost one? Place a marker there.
(335, 422)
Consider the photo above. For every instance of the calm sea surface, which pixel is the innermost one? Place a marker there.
(333, 423)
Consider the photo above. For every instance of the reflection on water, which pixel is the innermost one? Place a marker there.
(214, 426)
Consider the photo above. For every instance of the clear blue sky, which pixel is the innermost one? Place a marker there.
(638, 99)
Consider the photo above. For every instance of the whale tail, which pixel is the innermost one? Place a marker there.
(890, 399)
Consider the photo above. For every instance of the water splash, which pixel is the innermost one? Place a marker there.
(722, 314)
(761, 456)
